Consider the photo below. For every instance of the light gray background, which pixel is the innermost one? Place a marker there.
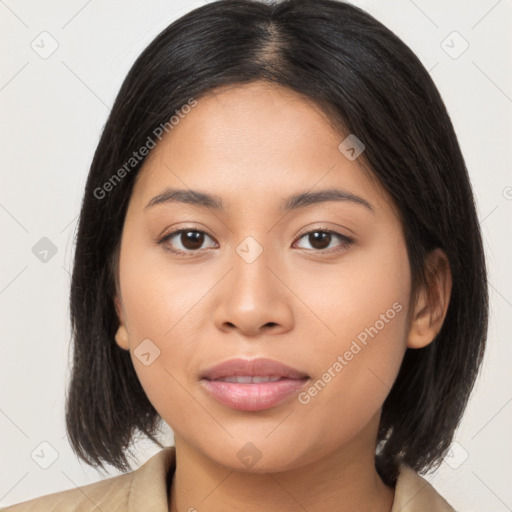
(53, 110)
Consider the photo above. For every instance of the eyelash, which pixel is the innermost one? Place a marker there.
(345, 241)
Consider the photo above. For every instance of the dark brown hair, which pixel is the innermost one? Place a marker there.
(370, 83)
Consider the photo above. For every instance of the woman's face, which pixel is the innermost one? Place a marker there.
(255, 279)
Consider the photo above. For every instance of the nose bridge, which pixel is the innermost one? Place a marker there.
(251, 273)
(253, 296)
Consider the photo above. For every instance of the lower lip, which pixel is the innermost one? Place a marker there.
(253, 397)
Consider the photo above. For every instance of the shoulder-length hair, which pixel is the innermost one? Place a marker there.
(369, 83)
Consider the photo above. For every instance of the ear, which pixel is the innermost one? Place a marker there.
(432, 302)
(122, 332)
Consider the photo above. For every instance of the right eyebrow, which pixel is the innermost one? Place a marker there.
(170, 195)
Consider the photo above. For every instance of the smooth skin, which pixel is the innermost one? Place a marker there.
(302, 301)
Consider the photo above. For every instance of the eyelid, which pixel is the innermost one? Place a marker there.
(324, 228)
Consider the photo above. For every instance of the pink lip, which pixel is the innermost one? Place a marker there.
(257, 396)
(245, 367)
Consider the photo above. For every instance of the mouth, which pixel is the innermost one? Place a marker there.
(252, 385)
(249, 379)
(253, 368)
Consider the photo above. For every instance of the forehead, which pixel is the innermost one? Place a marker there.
(254, 143)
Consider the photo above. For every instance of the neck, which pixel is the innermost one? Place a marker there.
(345, 480)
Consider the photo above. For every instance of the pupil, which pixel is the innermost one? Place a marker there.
(192, 239)
(321, 240)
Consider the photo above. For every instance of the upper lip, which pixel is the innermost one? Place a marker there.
(252, 367)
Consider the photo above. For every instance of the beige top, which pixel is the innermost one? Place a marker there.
(145, 490)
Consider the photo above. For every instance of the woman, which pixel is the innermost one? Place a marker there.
(278, 255)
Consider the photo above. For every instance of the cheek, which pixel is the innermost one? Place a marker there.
(159, 297)
(162, 316)
(163, 346)
(349, 391)
(345, 298)
(359, 356)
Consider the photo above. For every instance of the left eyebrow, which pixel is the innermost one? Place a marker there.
(330, 194)
(294, 202)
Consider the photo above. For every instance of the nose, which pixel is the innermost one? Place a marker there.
(253, 298)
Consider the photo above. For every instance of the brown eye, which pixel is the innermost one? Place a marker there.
(192, 240)
(322, 239)
(185, 240)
